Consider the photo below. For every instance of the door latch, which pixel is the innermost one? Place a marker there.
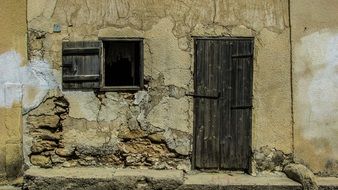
(241, 107)
(203, 96)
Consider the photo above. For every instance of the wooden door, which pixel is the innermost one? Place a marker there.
(222, 103)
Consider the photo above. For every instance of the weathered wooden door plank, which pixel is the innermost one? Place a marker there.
(207, 135)
(222, 132)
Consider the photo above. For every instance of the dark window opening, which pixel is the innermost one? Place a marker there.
(122, 63)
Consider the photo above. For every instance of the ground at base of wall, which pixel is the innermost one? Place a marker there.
(111, 179)
(9, 187)
(11, 184)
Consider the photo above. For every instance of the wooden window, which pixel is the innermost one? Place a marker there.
(107, 65)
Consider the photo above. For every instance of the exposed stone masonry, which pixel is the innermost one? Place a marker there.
(46, 130)
(270, 159)
(135, 145)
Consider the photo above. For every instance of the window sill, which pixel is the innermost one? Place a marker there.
(120, 88)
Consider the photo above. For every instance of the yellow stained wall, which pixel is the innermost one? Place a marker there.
(12, 38)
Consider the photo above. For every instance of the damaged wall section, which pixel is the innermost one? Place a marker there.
(116, 135)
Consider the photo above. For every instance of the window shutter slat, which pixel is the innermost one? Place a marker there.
(72, 78)
(81, 51)
(81, 65)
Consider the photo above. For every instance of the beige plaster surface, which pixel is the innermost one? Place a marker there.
(10, 141)
(271, 101)
(12, 38)
(13, 27)
(315, 59)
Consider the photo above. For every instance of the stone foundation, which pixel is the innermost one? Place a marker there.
(268, 159)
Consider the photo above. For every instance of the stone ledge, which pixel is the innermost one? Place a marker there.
(9, 188)
(101, 179)
(237, 181)
(76, 173)
(327, 183)
(111, 179)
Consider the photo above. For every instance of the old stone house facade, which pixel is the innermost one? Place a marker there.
(66, 102)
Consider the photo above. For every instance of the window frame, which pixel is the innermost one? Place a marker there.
(141, 65)
(101, 82)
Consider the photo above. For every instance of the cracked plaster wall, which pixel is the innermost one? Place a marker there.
(114, 128)
(315, 47)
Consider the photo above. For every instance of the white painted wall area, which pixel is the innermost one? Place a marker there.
(316, 88)
(16, 81)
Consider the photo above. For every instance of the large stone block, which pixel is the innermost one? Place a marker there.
(39, 160)
(46, 108)
(44, 121)
(40, 146)
(303, 175)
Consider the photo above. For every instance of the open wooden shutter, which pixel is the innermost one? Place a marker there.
(81, 65)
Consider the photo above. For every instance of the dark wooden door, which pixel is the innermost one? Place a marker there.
(222, 103)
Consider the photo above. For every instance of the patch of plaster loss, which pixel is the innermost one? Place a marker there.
(83, 105)
(316, 73)
(167, 58)
(28, 84)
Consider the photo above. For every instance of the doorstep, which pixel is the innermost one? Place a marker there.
(327, 183)
(9, 188)
(111, 179)
(236, 181)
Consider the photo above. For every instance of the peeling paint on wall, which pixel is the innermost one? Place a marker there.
(16, 81)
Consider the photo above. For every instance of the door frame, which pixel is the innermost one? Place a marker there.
(194, 39)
